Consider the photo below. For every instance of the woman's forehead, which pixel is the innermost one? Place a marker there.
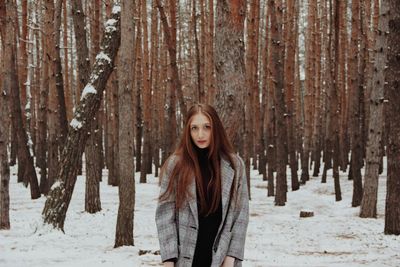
(199, 118)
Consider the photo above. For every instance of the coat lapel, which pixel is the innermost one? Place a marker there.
(227, 174)
(193, 201)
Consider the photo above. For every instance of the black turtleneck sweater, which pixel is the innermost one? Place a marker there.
(208, 225)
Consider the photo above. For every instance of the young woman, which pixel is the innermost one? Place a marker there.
(203, 208)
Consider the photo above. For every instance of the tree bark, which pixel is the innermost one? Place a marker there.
(57, 203)
(7, 42)
(376, 87)
(309, 90)
(171, 45)
(355, 95)
(277, 76)
(26, 170)
(229, 64)
(392, 210)
(126, 189)
(147, 102)
(290, 60)
(56, 65)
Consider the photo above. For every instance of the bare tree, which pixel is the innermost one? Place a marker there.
(57, 203)
(126, 189)
(277, 76)
(374, 145)
(146, 98)
(26, 170)
(229, 64)
(355, 96)
(392, 212)
(289, 82)
(7, 43)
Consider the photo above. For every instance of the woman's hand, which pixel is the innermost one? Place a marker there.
(169, 264)
(228, 262)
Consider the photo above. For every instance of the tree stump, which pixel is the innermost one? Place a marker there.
(305, 214)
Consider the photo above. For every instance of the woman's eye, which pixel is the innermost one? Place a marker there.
(193, 128)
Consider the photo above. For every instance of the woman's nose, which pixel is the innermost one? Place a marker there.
(201, 132)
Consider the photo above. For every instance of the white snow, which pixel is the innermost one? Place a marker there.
(89, 89)
(103, 56)
(335, 236)
(116, 9)
(110, 25)
(76, 124)
(56, 184)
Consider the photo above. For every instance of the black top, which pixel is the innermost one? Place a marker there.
(208, 225)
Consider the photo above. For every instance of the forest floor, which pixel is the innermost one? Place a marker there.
(276, 236)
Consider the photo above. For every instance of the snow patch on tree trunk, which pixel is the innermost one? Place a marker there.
(89, 89)
(76, 124)
(102, 56)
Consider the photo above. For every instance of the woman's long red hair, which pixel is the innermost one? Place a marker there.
(187, 165)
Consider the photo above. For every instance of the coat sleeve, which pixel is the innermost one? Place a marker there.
(241, 219)
(166, 219)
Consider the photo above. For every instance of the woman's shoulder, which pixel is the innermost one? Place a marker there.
(237, 160)
(171, 161)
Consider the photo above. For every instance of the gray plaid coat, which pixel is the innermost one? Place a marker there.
(177, 231)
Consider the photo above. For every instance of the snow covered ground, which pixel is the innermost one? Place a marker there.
(335, 236)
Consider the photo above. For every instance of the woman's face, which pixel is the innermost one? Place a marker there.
(200, 130)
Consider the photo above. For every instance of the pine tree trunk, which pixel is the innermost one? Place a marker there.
(26, 170)
(146, 99)
(137, 98)
(344, 122)
(376, 87)
(154, 79)
(354, 102)
(42, 117)
(94, 146)
(309, 90)
(5, 83)
(210, 69)
(334, 107)
(23, 56)
(93, 168)
(200, 86)
(289, 88)
(229, 64)
(126, 189)
(277, 76)
(170, 38)
(392, 210)
(67, 87)
(57, 203)
(57, 68)
(270, 120)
